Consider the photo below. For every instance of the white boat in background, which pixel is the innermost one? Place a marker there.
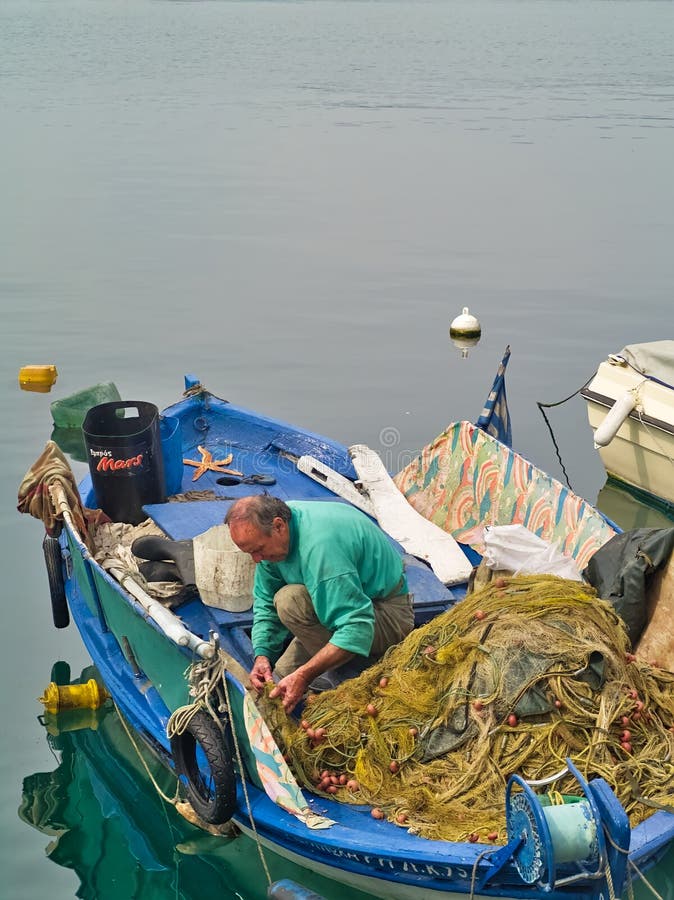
(630, 406)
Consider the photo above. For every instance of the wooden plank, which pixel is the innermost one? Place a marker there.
(417, 535)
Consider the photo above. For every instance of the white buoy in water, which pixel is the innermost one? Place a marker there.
(465, 331)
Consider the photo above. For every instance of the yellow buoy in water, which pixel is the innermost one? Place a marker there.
(40, 379)
(58, 697)
(72, 720)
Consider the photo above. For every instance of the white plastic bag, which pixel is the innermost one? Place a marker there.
(518, 550)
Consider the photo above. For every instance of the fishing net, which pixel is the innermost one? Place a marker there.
(521, 674)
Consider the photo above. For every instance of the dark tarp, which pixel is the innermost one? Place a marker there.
(516, 673)
(621, 570)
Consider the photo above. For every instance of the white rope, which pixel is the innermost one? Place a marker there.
(204, 677)
(652, 433)
(609, 881)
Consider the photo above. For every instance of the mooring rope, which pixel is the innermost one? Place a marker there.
(208, 679)
(544, 406)
(204, 677)
(652, 433)
(244, 786)
(641, 875)
(631, 865)
(172, 800)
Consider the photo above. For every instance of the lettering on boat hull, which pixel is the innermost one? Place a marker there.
(386, 864)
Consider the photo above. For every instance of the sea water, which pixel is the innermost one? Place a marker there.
(293, 200)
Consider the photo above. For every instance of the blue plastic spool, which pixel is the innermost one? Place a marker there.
(555, 835)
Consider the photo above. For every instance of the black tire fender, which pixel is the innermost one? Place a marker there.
(54, 563)
(211, 790)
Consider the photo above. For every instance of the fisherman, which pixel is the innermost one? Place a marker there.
(325, 576)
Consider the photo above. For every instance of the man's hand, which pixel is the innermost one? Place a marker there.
(260, 674)
(291, 689)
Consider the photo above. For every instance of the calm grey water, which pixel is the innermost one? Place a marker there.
(293, 200)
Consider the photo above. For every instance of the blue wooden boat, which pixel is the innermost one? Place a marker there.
(144, 652)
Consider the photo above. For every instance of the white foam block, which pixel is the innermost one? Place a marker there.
(395, 515)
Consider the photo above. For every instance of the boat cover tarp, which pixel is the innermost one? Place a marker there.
(465, 480)
(655, 359)
(621, 570)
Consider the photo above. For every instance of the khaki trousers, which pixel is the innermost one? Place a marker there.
(393, 621)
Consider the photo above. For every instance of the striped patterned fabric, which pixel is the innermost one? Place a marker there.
(465, 479)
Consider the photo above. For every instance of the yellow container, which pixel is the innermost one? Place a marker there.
(40, 379)
(58, 697)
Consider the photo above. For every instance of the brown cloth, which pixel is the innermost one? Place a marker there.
(50, 468)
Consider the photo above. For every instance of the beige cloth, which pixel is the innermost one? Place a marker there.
(393, 621)
(108, 542)
(656, 644)
(51, 467)
(113, 542)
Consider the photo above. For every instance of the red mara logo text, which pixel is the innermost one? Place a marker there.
(107, 464)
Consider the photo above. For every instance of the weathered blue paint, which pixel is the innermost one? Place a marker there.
(149, 683)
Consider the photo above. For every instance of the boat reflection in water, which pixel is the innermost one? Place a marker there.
(71, 441)
(107, 822)
(630, 511)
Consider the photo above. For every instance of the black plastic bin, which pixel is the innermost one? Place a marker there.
(123, 443)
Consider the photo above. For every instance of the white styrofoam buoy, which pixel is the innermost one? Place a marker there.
(465, 325)
(620, 410)
(465, 331)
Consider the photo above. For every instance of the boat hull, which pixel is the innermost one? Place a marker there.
(126, 652)
(641, 455)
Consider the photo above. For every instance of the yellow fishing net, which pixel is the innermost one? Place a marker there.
(513, 679)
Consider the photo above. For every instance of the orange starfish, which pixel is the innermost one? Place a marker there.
(207, 462)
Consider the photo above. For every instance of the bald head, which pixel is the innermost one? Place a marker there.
(260, 510)
(259, 525)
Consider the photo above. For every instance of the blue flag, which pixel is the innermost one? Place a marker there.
(495, 418)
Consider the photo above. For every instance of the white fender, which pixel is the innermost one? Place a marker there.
(614, 419)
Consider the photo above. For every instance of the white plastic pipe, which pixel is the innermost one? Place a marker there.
(614, 419)
(169, 623)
